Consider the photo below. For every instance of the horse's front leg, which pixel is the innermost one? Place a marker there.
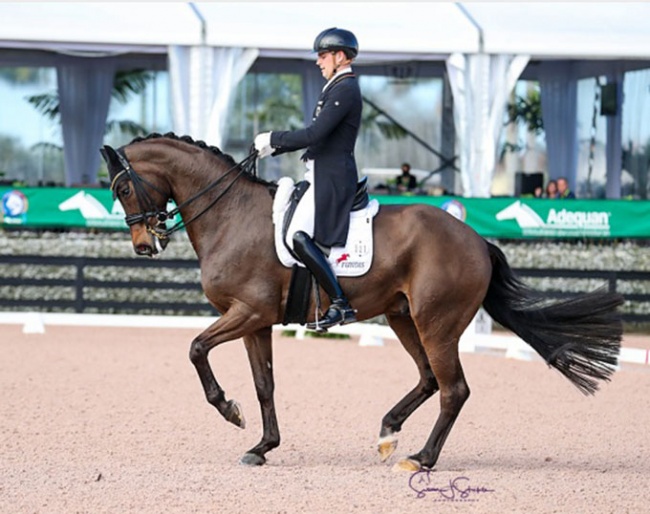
(260, 355)
(237, 322)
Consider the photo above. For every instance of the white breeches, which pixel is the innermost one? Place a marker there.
(303, 217)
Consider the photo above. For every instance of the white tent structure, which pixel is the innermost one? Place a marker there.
(482, 48)
(87, 42)
(564, 42)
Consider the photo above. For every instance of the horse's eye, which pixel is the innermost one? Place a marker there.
(125, 191)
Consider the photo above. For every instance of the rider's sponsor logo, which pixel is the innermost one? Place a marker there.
(352, 264)
(342, 258)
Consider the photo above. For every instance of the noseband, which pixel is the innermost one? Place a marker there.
(148, 208)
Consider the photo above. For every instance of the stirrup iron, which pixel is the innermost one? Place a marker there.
(339, 313)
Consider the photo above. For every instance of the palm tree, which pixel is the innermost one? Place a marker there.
(126, 84)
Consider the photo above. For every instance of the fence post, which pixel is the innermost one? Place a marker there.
(612, 281)
(80, 263)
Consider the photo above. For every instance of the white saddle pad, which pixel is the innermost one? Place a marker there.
(352, 260)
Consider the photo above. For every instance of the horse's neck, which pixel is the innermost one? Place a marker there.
(238, 217)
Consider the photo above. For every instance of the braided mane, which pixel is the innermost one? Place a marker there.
(212, 149)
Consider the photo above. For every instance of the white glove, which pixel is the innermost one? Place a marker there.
(263, 144)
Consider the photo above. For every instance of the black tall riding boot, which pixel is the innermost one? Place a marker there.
(339, 310)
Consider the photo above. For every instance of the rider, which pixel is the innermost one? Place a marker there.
(331, 167)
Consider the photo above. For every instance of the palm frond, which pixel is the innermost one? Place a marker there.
(46, 147)
(125, 85)
(390, 130)
(386, 127)
(128, 127)
(131, 82)
(47, 104)
(527, 110)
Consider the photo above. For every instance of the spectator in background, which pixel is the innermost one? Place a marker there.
(551, 189)
(563, 189)
(538, 192)
(406, 182)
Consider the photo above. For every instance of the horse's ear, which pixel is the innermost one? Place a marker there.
(110, 156)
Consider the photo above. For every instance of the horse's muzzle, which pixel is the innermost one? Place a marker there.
(145, 249)
(150, 248)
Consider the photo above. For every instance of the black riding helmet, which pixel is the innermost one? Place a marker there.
(337, 39)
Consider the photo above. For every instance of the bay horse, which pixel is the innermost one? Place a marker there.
(431, 273)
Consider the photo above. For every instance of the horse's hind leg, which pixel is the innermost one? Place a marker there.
(260, 355)
(445, 363)
(405, 330)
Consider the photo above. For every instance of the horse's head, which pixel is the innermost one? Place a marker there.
(144, 197)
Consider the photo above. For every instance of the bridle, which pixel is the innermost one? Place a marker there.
(148, 208)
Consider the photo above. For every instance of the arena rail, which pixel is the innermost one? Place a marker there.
(172, 286)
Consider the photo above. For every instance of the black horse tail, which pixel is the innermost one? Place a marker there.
(580, 336)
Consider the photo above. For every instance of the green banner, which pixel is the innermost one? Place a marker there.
(516, 218)
(510, 218)
(60, 207)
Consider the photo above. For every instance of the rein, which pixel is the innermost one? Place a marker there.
(148, 208)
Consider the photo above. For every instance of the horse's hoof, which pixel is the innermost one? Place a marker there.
(386, 446)
(409, 465)
(252, 459)
(235, 414)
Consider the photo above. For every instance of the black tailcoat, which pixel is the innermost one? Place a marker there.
(330, 141)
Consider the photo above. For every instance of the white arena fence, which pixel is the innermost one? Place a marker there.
(478, 338)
